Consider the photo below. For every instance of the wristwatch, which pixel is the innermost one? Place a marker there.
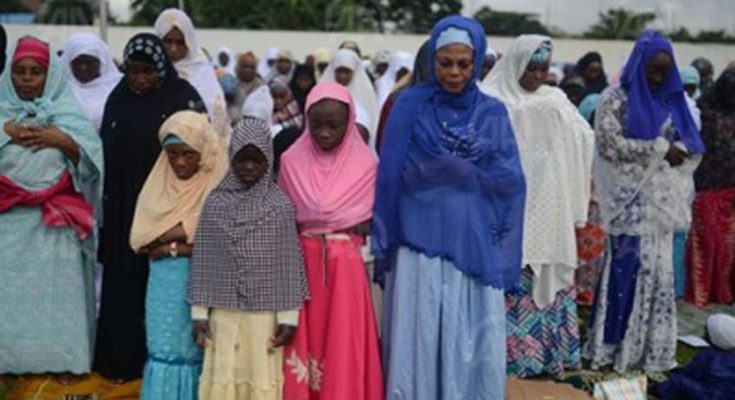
(173, 249)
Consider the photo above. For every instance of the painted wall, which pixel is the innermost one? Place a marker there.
(303, 43)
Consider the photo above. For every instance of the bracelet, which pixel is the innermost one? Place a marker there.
(173, 249)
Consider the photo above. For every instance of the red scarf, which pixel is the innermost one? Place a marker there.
(60, 204)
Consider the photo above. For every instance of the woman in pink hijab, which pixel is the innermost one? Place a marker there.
(329, 174)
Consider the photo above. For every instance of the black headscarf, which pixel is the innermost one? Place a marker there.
(600, 83)
(3, 47)
(130, 139)
(298, 94)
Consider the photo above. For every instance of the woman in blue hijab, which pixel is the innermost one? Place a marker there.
(648, 147)
(447, 227)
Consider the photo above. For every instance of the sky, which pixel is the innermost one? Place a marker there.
(575, 16)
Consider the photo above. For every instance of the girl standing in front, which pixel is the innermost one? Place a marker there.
(329, 173)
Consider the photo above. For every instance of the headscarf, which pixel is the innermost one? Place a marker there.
(275, 75)
(702, 64)
(601, 82)
(588, 107)
(352, 46)
(721, 331)
(259, 105)
(503, 81)
(232, 61)
(333, 190)
(288, 116)
(248, 233)
(30, 47)
(57, 106)
(264, 70)
(557, 74)
(381, 57)
(361, 89)
(194, 68)
(298, 94)
(551, 135)
(92, 95)
(384, 86)
(469, 157)
(689, 76)
(3, 46)
(165, 200)
(648, 111)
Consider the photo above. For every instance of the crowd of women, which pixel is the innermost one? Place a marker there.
(406, 227)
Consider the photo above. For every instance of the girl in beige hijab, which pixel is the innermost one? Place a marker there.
(192, 163)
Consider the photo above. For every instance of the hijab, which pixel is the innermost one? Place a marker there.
(277, 76)
(194, 68)
(648, 111)
(91, 95)
(361, 89)
(3, 47)
(259, 105)
(248, 232)
(231, 61)
(264, 70)
(57, 106)
(165, 200)
(599, 84)
(460, 145)
(298, 94)
(384, 85)
(332, 190)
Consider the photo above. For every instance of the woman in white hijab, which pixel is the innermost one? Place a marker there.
(92, 73)
(267, 63)
(224, 60)
(399, 65)
(176, 31)
(556, 147)
(347, 70)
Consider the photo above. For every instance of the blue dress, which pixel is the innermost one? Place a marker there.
(174, 361)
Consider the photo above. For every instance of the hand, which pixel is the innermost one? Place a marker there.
(676, 156)
(201, 333)
(284, 336)
(13, 130)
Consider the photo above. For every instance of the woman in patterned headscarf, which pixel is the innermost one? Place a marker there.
(150, 93)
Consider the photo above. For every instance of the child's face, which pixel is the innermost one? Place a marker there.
(249, 165)
(184, 160)
(328, 123)
(280, 98)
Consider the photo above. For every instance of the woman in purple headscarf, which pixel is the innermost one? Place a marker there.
(648, 147)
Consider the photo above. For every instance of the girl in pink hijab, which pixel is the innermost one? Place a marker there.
(329, 174)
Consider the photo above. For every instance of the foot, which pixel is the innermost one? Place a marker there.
(69, 379)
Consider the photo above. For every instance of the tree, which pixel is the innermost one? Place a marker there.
(681, 35)
(12, 6)
(502, 23)
(715, 37)
(620, 23)
(419, 16)
(69, 12)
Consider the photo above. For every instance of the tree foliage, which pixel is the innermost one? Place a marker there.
(69, 12)
(504, 23)
(619, 23)
(418, 16)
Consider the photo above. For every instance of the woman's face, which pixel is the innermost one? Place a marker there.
(280, 98)
(283, 65)
(184, 160)
(85, 68)
(249, 165)
(328, 123)
(142, 77)
(29, 79)
(593, 71)
(224, 58)
(343, 76)
(657, 70)
(175, 45)
(304, 82)
(401, 73)
(453, 67)
(534, 76)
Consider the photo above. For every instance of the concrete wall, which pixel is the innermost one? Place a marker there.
(303, 43)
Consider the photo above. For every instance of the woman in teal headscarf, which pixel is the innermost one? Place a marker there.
(50, 176)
